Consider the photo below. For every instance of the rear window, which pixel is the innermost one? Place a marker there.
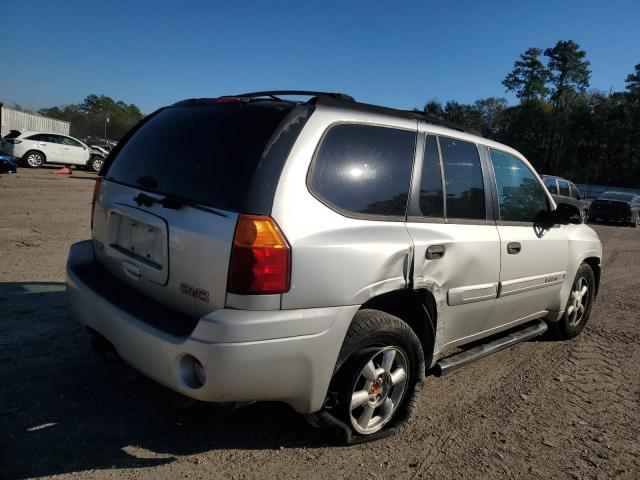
(619, 196)
(207, 153)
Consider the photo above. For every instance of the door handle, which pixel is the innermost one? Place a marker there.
(435, 251)
(513, 248)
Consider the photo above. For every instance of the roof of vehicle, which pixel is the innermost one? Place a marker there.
(556, 177)
(37, 132)
(344, 102)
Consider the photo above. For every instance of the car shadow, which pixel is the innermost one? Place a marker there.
(65, 409)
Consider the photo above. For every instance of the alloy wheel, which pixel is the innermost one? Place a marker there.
(34, 160)
(578, 302)
(378, 390)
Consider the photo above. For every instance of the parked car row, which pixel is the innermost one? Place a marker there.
(35, 149)
(617, 207)
(564, 191)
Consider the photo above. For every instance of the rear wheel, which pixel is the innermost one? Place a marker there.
(33, 159)
(578, 307)
(379, 375)
(583, 216)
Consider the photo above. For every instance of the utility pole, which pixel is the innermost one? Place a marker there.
(106, 120)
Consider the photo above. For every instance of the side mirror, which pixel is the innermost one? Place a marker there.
(564, 214)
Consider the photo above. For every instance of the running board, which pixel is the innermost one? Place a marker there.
(449, 364)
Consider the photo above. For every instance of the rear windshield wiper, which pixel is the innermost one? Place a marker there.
(173, 203)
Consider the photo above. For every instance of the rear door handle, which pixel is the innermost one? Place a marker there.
(514, 248)
(435, 251)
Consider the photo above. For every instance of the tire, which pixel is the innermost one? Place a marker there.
(592, 220)
(578, 309)
(636, 222)
(583, 216)
(95, 163)
(33, 159)
(380, 368)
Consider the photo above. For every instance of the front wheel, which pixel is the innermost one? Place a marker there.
(636, 222)
(379, 376)
(578, 307)
(583, 216)
(96, 163)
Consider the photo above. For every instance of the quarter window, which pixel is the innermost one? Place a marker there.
(364, 169)
(463, 179)
(431, 200)
(520, 195)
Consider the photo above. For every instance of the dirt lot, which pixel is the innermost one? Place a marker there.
(540, 410)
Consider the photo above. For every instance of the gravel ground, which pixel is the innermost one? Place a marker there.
(540, 410)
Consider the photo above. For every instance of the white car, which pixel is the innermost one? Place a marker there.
(38, 148)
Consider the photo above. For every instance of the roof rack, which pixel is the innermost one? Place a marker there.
(276, 94)
(346, 101)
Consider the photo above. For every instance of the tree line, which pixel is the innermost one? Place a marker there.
(561, 125)
(89, 117)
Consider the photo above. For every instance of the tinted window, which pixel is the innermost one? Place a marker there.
(70, 142)
(207, 153)
(431, 199)
(365, 169)
(42, 137)
(619, 196)
(520, 196)
(564, 187)
(463, 179)
(550, 183)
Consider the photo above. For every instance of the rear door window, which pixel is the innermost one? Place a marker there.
(464, 183)
(520, 195)
(206, 153)
(364, 169)
(431, 195)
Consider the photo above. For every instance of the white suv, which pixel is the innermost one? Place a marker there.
(323, 253)
(37, 148)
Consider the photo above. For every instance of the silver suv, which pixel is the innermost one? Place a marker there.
(323, 253)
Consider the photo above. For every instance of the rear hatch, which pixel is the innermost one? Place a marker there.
(165, 215)
(8, 141)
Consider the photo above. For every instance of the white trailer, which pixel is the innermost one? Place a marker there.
(14, 119)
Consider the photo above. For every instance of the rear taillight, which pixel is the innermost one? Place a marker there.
(96, 192)
(260, 258)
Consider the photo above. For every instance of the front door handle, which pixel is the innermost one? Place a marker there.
(514, 248)
(435, 251)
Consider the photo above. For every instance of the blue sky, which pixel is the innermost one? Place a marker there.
(395, 53)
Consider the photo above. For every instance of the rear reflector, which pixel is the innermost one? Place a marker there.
(96, 192)
(260, 258)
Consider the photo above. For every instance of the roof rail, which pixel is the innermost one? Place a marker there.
(275, 94)
(343, 100)
(410, 114)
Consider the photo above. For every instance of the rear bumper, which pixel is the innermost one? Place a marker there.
(282, 355)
